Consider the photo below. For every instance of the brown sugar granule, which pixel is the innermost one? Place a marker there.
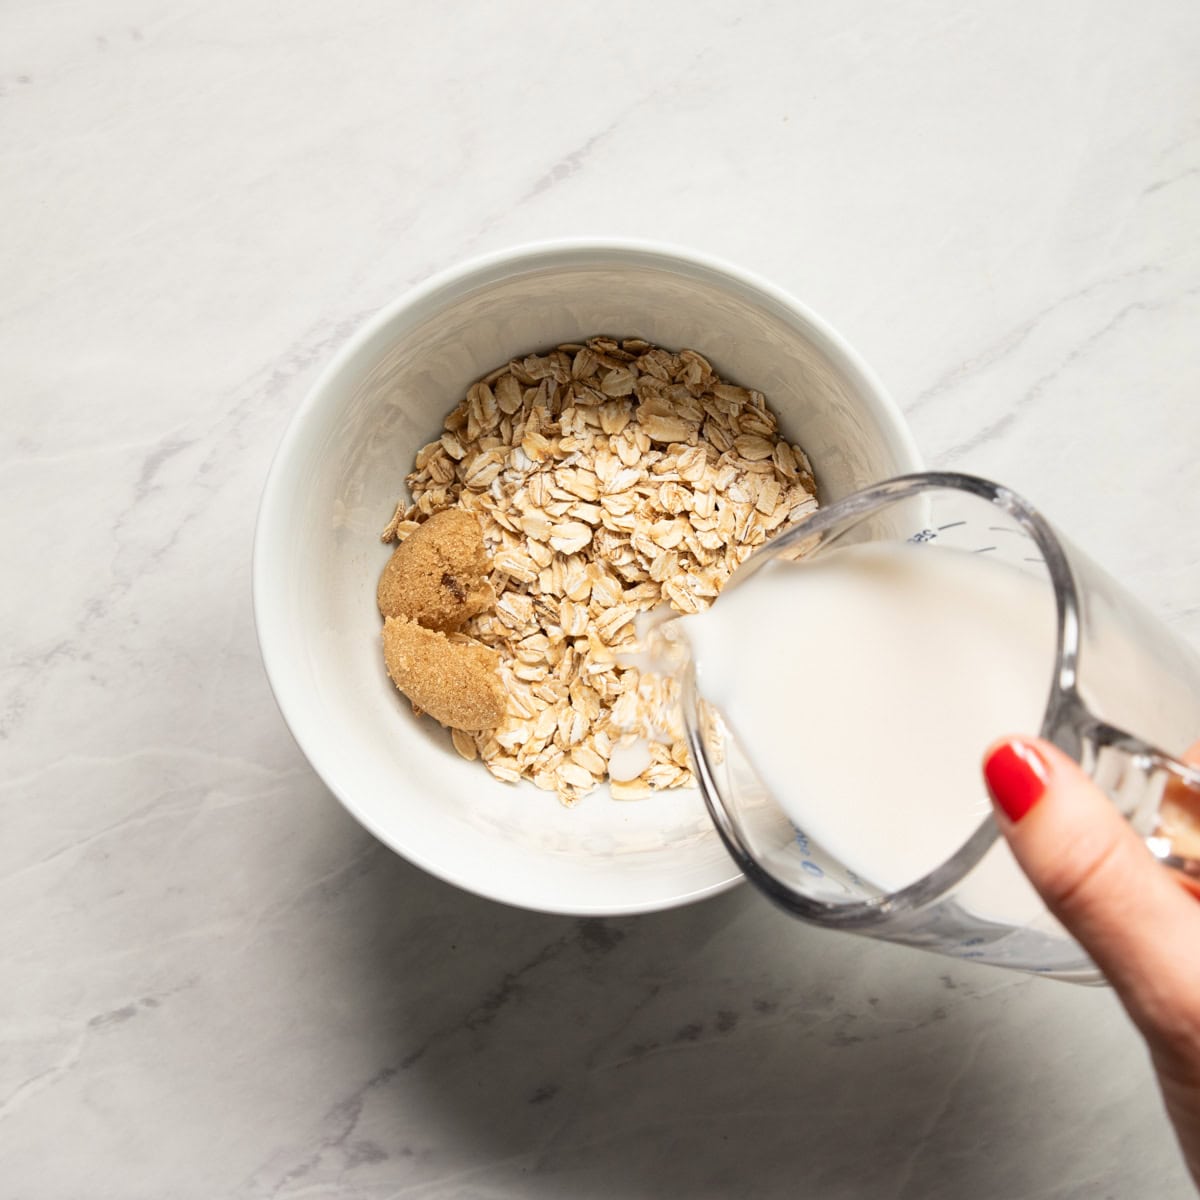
(456, 682)
(438, 576)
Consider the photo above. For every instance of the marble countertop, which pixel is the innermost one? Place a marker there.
(214, 983)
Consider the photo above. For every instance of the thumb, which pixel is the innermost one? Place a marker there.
(1095, 875)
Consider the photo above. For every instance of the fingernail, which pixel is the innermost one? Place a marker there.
(1016, 777)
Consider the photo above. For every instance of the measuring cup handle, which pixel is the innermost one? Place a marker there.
(1175, 840)
(1159, 794)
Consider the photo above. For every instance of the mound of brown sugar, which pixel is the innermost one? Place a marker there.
(456, 682)
(438, 576)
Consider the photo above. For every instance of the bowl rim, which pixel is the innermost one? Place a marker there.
(522, 256)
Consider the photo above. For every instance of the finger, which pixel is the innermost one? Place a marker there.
(1098, 878)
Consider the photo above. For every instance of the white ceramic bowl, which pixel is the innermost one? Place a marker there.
(341, 467)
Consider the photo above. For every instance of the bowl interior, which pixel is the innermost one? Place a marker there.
(340, 471)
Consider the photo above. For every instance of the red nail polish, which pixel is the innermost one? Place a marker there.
(1016, 776)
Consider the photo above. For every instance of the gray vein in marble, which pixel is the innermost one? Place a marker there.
(340, 1121)
(960, 1074)
(1004, 346)
(568, 165)
(327, 887)
(152, 812)
(344, 1117)
(30, 1087)
(31, 456)
(159, 754)
(591, 940)
(34, 678)
(1032, 394)
(1183, 176)
(92, 1026)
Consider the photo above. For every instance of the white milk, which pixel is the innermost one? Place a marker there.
(864, 688)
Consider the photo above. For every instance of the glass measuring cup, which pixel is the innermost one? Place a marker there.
(1123, 700)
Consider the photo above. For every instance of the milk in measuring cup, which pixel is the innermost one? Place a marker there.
(864, 687)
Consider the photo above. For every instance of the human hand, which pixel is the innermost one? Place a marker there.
(1139, 921)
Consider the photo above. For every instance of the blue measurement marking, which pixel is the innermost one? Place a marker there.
(983, 549)
(807, 863)
(952, 525)
(924, 535)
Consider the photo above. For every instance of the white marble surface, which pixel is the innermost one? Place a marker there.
(214, 984)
